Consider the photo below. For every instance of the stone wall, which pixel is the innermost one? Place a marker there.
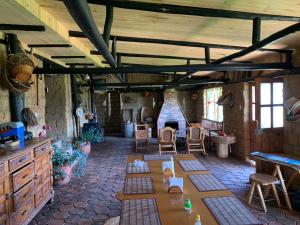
(31, 101)
(113, 115)
(236, 118)
(292, 128)
(59, 106)
(188, 105)
(35, 100)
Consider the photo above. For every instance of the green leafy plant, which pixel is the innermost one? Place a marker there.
(80, 159)
(92, 135)
(62, 157)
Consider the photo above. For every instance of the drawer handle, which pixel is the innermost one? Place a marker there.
(25, 195)
(25, 176)
(23, 213)
(21, 160)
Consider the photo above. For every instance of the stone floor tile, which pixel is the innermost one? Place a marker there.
(91, 199)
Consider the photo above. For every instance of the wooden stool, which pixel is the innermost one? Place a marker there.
(258, 179)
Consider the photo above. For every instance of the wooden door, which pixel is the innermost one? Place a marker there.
(268, 115)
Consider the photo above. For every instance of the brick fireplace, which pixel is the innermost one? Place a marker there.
(171, 113)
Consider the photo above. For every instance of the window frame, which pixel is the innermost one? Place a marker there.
(216, 110)
(271, 105)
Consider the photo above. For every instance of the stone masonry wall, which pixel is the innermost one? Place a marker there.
(292, 128)
(236, 119)
(59, 106)
(31, 101)
(188, 105)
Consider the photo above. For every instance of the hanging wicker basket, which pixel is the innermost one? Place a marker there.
(20, 67)
(13, 85)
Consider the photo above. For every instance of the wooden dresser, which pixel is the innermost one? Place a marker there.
(25, 181)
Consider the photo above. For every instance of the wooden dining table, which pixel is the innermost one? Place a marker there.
(280, 160)
(171, 206)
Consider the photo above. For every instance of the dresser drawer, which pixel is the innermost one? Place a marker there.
(42, 149)
(23, 176)
(23, 213)
(23, 195)
(20, 161)
(2, 170)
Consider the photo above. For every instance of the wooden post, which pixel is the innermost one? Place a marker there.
(256, 30)
(207, 55)
(74, 91)
(16, 100)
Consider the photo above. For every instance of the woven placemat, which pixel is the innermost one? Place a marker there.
(138, 185)
(206, 182)
(191, 165)
(230, 211)
(133, 169)
(139, 212)
(158, 157)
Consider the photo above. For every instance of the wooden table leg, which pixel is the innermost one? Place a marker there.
(286, 196)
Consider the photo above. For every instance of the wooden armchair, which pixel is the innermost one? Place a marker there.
(167, 140)
(195, 138)
(141, 134)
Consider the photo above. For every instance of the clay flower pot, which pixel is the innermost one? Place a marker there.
(85, 147)
(67, 174)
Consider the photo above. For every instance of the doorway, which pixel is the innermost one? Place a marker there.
(266, 115)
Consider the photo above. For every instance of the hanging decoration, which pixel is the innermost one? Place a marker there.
(226, 99)
(195, 96)
(19, 69)
(293, 109)
(29, 118)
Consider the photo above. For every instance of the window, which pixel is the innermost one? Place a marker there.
(271, 105)
(253, 103)
(212, 111)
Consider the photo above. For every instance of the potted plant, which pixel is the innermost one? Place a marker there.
(62, 165)
(82, 145)
(67, 162)
(80, 161)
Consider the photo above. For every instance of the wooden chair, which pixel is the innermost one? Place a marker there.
(167, 140)
(259, 179)
(195, 138)
(141, 134)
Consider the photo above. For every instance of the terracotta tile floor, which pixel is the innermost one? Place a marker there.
(90, 200)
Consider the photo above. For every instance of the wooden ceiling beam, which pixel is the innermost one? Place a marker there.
(80, 64)
(49, 46)
(172, 68)
(136, 55)
(22, 27)
(68, 57)
(256, 30)
(192, 11)
(79, 34)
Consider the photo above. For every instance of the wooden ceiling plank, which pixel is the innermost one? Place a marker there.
(53, 23)
(192, 11)
(22, 27)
